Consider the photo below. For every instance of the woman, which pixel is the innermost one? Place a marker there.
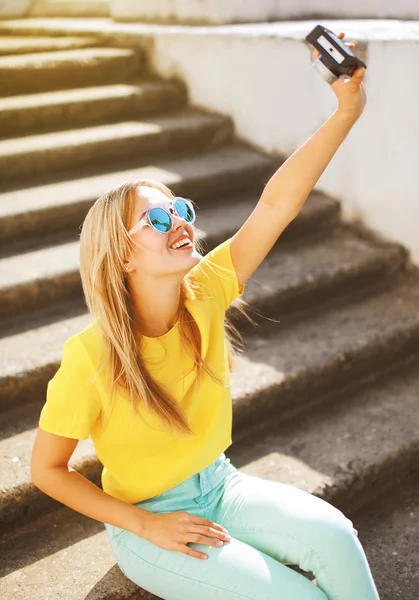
(148, 381)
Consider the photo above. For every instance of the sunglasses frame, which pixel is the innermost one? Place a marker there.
(146, 218)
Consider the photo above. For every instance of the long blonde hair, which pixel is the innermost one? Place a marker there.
(104, 240)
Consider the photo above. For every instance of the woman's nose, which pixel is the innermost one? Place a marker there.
(176, 217)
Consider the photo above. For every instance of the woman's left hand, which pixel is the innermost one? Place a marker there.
(350, 91)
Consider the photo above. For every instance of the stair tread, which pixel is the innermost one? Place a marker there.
(61, 544)
(83, 94)
(57, 152)
(221, 162)
(55, 60)
(316, 453)
(75, 138)
(11, 44)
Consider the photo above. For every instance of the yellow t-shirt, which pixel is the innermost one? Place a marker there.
(143, 459)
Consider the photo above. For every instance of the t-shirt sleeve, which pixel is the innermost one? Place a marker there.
(72, 401)
(217, 273)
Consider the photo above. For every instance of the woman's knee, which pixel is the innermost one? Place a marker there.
(334, 535)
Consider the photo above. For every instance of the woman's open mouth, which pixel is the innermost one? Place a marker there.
(187, 245)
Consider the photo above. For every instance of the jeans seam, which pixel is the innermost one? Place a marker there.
(180, 574)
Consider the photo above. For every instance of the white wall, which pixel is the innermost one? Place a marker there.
(359, 9)
(242, 11)
(201, 11)
(14, 8)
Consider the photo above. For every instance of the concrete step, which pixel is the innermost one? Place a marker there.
(311, 359)
(39, 210)
(331, 265)
(186, 131)
(389, 533)
(329, 452)
(351, 449)
(47, 71)
(66, 109)
(10, 44)
(315, 352)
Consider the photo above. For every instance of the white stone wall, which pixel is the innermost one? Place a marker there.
(14, 8)
(242, 11)
(347, 9)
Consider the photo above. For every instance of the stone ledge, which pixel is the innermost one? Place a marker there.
(357, 29)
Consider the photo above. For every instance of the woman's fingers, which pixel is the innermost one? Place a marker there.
(315, 54)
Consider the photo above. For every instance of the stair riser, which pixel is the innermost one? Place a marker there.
(70, 74)
(25, 121)
(40, 293)
(351, 490)
(106, 151)
(369, 484)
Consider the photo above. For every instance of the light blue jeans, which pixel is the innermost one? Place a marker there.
(271, 524)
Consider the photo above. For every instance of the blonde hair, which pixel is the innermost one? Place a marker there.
(104, 240)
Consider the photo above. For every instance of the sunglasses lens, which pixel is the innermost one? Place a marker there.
(185, 210)
(160, 219)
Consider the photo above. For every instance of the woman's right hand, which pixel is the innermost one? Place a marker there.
(174, 530)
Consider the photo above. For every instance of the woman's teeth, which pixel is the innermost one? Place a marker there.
(183, 242)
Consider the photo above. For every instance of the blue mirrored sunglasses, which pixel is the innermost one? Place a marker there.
(160, 219)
